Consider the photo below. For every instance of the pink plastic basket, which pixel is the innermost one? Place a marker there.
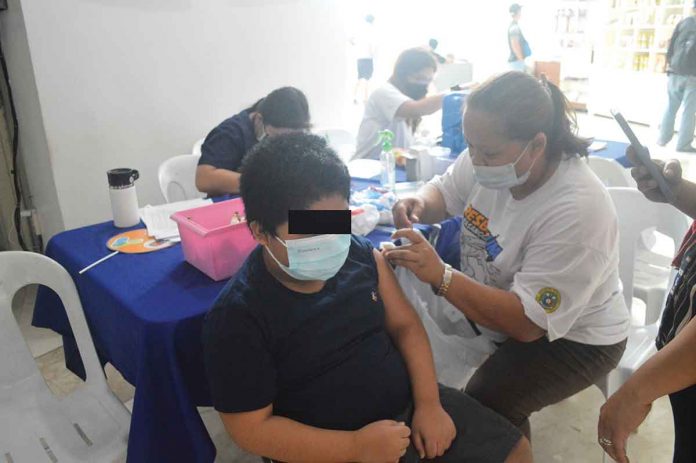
(211, 243)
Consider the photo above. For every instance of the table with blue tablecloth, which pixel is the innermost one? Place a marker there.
(615, 150)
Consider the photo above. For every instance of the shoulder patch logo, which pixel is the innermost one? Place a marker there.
(549, 299)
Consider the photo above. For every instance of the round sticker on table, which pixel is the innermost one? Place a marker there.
(136, 242)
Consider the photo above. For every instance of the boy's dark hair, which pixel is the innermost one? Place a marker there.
(515, 8)
(433, 43)
(285, 108)
(289, 171)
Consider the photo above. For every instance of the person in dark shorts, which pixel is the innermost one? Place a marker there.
(312, 351)
(283, 110)
(365, 68)
(364, 43)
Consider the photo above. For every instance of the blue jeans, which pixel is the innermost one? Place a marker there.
(681, 90)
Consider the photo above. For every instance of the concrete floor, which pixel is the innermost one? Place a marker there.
(565, 432)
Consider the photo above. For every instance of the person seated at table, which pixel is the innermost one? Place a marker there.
(283, 110)
(399, 104)
(313, 353)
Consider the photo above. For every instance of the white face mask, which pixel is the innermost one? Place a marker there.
(315, 258)
(502, 177)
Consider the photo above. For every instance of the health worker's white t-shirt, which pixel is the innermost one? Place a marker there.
(380, 114)
(557, 250)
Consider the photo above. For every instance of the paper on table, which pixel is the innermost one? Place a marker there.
(157, 219)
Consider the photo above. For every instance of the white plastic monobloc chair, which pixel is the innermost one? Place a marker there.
(177, 178)
(196, 150)
(90, 424)
(610, 172)
(341, 140)
(651, 271)
(635, 214)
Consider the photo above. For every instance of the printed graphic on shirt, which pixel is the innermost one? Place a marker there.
(549, 299)
(375, 296)
(479, 247)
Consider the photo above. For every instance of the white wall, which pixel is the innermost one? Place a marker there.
(33, 146)
(130, 83)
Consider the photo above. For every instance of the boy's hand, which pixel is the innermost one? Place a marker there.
(433, 431)
(382, 441)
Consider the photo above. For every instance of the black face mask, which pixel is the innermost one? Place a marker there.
(415, 91)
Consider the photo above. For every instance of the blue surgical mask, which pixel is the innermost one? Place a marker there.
(502, 177)
(315, 258)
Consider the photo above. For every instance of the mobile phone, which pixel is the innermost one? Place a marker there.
(644, 157)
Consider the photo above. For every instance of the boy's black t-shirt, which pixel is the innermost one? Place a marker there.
(322, 359)
(228, 143)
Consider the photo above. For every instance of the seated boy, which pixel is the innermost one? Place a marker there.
(312, 351)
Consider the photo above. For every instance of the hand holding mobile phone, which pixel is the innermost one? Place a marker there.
(643, 156)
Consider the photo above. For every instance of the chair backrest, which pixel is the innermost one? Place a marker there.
(177, 178)
(336, 137)
(610, 172)
(635, 214)
(672, 223)
(19, 269)
(196, 150)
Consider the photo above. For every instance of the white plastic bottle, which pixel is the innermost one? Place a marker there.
(124, 200)
(387, 159)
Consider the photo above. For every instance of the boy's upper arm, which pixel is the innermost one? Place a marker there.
(397, 309)
(238, 424)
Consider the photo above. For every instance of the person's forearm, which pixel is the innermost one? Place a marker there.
(493, 308)
(217, 182)
(418, 108)
(435, 210)
(283, 439)
(670, 370)
(430, 104)
(412, 342)
(685, 199)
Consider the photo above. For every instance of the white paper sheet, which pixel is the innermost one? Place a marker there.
(157, 219)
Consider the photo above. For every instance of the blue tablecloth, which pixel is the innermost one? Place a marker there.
(145, 313)
(615, 150)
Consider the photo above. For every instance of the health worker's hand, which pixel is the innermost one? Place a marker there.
(408, 211)
(419, 257)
